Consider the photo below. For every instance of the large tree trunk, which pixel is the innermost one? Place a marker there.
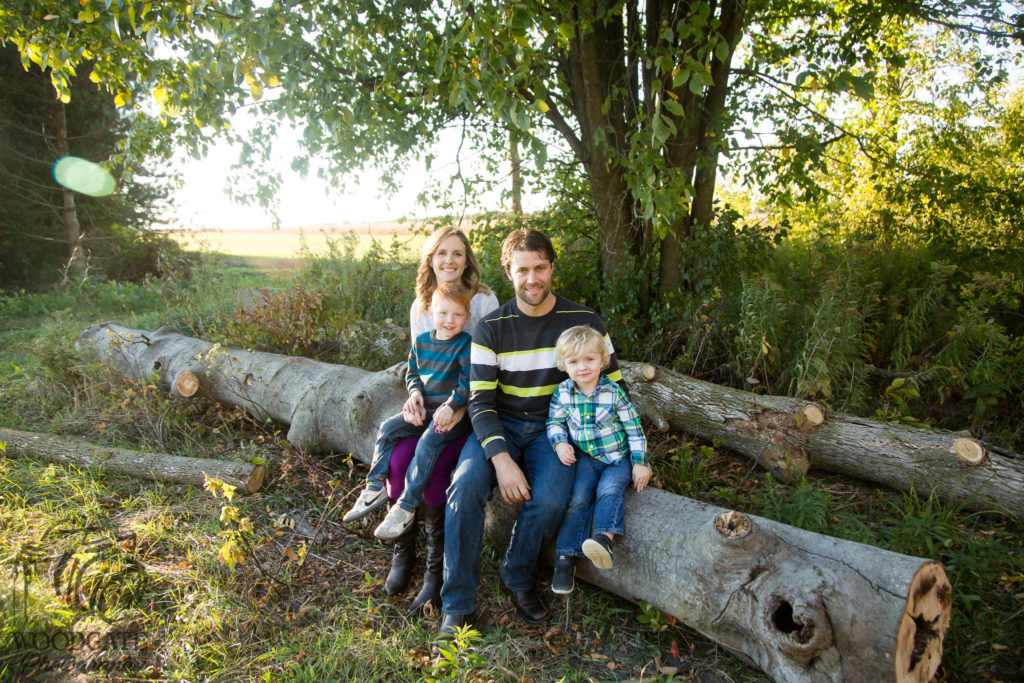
(799, 605)
(789, 437)
(245, 477)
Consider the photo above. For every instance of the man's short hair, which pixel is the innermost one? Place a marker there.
(576, 341)
(453, 291)
(526, 239)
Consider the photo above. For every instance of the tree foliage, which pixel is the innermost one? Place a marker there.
(644, 97)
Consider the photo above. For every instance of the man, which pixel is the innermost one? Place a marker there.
(512, 377)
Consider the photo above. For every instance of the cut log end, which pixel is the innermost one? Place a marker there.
(970, 451)
(256, 478)
(813, 416)
(924, 623)
(648, 372)
(186, 384)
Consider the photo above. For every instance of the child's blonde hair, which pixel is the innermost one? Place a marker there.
(453, 291)
(576, 340)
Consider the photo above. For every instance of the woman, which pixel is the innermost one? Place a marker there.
(447, 256)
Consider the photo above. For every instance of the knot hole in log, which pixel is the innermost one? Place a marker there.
(799, 629)
(803, 626)
(733, 525)
(738, 531)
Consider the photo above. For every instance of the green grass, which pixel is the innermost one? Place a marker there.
(271, 617)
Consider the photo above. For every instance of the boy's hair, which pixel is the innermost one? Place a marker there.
(526, 239)
(575, 340)
(453, 291)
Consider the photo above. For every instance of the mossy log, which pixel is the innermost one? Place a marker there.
(244, 476)
(789, 437)
(801, 606)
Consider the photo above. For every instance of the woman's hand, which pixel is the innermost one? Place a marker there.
(443, 419)
(413, 410)
(641, 476)
(565, 453)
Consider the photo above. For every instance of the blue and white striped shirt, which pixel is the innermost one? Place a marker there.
(440, 370)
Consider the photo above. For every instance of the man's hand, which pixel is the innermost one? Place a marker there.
(443, 419)
(511, 479)
(565, 453)
(641, 476)
(413, 411)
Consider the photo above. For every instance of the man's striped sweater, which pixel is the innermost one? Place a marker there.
(513, 370)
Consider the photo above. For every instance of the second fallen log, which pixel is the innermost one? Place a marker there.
(790, 436)
(245, 477)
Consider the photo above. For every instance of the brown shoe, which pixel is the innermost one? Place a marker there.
(528, 604)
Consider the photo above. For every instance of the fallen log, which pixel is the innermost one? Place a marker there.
(245, 477)
(789, 437)
(801, 606)
(327, 407)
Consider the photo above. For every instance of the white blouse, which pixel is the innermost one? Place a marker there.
(480, 305)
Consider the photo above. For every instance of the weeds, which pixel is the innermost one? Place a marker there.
(302, 598)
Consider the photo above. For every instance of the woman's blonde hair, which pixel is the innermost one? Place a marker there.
(575, 340)
(426, 281)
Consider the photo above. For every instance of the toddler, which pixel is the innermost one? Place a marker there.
(597, 415)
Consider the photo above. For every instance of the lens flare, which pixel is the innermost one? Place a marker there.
(83, 176)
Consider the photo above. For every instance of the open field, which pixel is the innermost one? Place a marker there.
(274, 250)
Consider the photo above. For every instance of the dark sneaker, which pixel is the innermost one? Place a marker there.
(563, 580)
(368, 501)
(599, 551)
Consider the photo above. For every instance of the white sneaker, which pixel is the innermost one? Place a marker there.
(395, 524)
(599, 551)
(368, 501)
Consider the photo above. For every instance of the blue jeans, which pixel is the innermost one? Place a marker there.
(537, 522)
(429, 446)
(607, 483)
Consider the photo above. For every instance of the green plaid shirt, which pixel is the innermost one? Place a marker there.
(604, 425)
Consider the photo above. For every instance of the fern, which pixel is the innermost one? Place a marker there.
(916, 323)
(834, 348)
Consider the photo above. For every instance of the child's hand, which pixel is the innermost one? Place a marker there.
(443, 419)
(641, 476)
(565, 453)
(413, 410)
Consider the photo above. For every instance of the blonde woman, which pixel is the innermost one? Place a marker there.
(446, 257)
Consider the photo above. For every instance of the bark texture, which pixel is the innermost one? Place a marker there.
(801, 606)
(327, 407)
(245, 477)
(798, 605)
(789, 436)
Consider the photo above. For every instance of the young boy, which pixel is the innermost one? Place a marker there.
(438, 384)
(598, 416)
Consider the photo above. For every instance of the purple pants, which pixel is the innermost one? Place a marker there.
(435, 493)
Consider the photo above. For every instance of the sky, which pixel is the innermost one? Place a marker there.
(203, 201)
